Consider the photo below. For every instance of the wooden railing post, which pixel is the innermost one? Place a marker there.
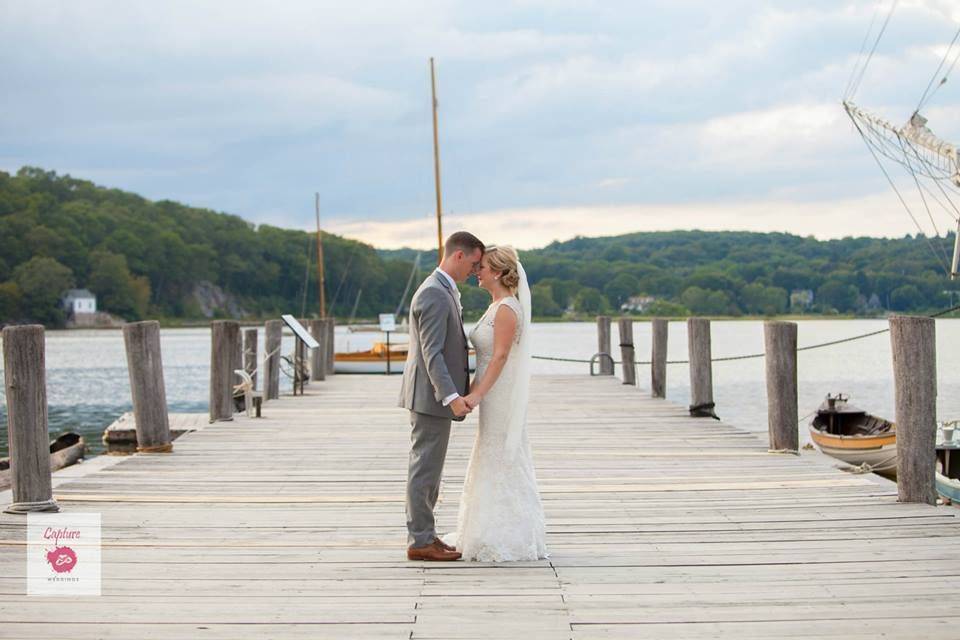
(627, 351)
(271, 348)
(913, 341)
(24, 373)
(224, 352)
(318, 357)
(331, 344)
(300, 349)
(603, 345)
(250, 353)
(780, 349)
(701, 373)
(147, 389)
(658, 357)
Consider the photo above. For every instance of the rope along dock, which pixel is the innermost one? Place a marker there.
(660, 525)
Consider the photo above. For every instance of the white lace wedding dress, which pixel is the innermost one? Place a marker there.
(501, 516)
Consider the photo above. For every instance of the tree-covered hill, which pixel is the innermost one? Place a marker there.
(145, 259)
(154, 259)
(733, 273)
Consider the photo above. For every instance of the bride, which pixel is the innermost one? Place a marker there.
(501, 516)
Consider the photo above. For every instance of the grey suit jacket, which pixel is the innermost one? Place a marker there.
(438, 359)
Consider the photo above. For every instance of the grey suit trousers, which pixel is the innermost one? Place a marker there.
(429, 437)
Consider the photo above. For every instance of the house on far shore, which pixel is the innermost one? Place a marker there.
(78, 301)
(81, 308)
(637, 304)
(801, 299)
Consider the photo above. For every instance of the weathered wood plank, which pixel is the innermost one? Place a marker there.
(659, 524)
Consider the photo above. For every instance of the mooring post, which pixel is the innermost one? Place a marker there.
(629, 367)
(318, 357)
(271, 349)
(239, 403)
(301, 371)
(331, 345)
(701, 373)
(147, 389)
(913, 341)
(780, 348)
(224, 338)
(24, 373)
(250, 353)
(658, 358)
(603, 345)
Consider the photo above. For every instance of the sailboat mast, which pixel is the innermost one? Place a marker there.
(955, 265)
(320, 276)
(436, 163)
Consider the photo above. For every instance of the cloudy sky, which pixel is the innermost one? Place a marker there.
(557, 117)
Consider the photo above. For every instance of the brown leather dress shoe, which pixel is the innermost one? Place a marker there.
(443, 545)
(432, 553)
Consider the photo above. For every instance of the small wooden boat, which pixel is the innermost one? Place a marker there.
(64, 451)
(947, 475)
(375, 359)
(852, 435)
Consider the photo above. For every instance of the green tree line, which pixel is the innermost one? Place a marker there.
(145, 259)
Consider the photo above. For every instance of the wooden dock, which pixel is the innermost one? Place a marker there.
(659, 525)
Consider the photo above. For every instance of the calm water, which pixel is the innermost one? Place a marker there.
(88, 386)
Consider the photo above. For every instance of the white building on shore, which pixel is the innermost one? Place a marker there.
(78, 301)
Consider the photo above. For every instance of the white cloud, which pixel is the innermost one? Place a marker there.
(877, 214)
(791, 135)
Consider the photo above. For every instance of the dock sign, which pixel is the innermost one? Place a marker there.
(388, 322)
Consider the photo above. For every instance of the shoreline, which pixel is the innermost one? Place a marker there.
(204, 324)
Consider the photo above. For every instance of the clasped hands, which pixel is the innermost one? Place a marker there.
(463, 405)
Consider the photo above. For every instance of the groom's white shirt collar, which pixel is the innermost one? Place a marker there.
(453, 283)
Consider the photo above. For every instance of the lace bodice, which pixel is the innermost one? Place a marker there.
(481, 336)
(501, 516)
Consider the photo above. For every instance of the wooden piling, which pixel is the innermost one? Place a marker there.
(331, 344)
(780, 347)
(318, 357)
(147, 389)
(658, 357)
(224, 338)
(24, 372)
(627, 351)
(271, 347)
(701, 373)
(250, 353)
(913, 342)
(603, 345)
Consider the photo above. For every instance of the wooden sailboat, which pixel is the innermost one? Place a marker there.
(852, 435)
(384, 357)
(65, 450)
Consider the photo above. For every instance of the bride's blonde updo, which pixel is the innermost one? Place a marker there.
(503, 260)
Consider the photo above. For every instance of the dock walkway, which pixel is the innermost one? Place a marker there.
(659, 526)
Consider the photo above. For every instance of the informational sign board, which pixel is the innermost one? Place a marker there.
(388, 322)
(300, 331)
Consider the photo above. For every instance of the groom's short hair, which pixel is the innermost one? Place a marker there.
(463, 241)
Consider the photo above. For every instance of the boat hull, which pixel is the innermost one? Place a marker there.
(878, 451)
(948, 488)
(344, 363)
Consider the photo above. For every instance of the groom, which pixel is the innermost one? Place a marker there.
(436, 377)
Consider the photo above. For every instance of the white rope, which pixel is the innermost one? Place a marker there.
(866, 467)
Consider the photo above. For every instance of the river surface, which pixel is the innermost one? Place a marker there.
(88, 387)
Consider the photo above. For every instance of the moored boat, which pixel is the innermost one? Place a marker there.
(852, 435)
(375, 359)
(64, 451)
(948, 462)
